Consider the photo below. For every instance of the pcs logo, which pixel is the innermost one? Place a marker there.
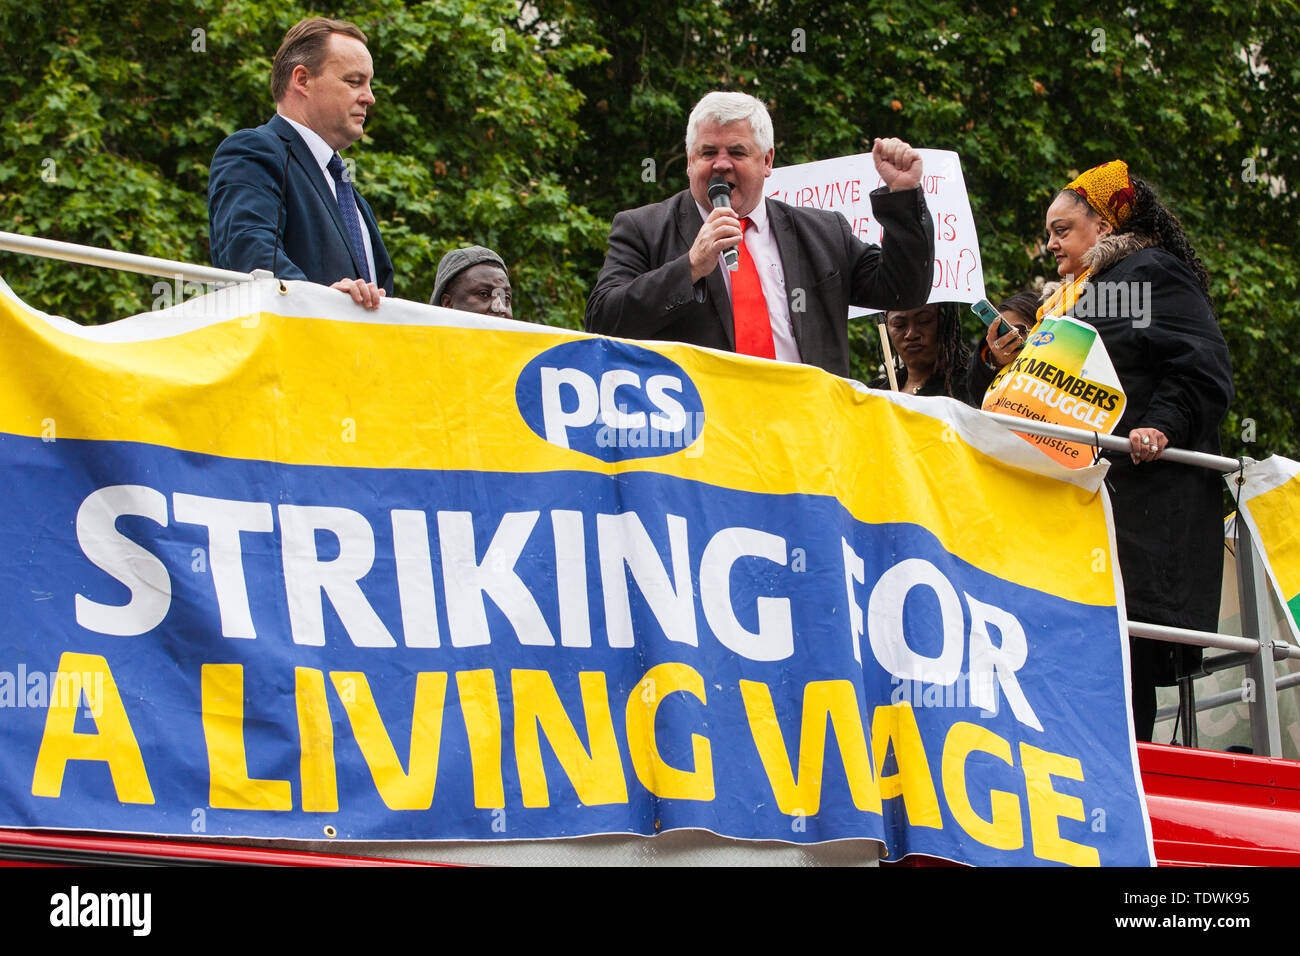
(611, 400)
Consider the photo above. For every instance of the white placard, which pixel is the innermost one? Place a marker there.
(842, 185)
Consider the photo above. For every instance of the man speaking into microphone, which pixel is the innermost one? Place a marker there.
(797, 270)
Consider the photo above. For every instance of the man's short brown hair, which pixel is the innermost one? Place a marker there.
(304, 45)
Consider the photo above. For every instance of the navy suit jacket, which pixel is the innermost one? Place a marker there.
(644, 290)
(265, 181)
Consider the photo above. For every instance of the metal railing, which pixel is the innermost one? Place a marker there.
(124, 261)
(1251, 650)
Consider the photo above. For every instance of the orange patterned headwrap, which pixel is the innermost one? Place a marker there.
(1108, 190)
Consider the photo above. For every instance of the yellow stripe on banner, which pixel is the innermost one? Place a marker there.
(1275, 513)
(349, 394)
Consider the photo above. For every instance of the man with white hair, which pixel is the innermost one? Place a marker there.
(799, 268)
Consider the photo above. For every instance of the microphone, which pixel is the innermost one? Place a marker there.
(720, 195)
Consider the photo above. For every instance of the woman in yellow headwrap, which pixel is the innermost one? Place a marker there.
(1108, 229)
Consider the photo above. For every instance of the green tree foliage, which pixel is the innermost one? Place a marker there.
(113, 111)
(527, 125)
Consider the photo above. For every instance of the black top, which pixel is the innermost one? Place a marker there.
(933, 385)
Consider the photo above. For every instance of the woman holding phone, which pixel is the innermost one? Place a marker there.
(1110, 230)
(1006, 337)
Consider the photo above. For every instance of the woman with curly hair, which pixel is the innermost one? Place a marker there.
(929, 354)
(1150, 304)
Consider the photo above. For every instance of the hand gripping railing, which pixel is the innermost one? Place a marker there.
(1252, 649)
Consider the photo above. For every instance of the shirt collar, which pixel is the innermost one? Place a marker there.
(757, 217)
(320, 150)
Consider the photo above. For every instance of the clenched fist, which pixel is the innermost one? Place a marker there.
(899, 165)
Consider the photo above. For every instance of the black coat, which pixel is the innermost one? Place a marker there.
(1173, 364)
(1177, 377)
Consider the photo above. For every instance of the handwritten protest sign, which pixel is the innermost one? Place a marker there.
(843, 185)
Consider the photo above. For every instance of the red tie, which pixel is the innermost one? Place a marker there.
(753, 326)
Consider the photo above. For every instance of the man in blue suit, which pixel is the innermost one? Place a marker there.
(280, 196)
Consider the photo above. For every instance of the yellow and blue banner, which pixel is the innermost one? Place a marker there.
(286, 568)
(1269, 498)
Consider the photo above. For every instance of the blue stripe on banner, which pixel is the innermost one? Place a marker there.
(563, 580)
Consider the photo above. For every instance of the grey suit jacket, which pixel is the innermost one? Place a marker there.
(644, 290)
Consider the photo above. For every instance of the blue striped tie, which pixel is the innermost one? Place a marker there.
(348, 210)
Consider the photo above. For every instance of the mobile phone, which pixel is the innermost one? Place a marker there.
(984, 309)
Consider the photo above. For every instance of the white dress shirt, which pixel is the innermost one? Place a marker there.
(761, 244)
(321, 152)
